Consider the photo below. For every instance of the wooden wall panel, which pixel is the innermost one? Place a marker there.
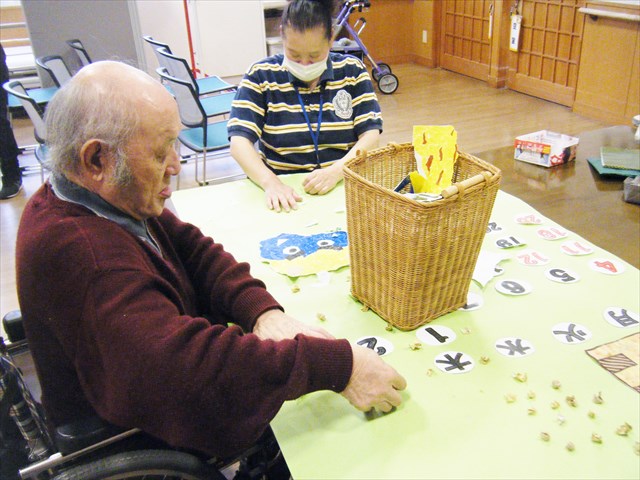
(606, 70)
(388, 34)
(633, 100)
(423, 13)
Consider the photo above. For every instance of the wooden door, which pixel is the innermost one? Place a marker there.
(475, 42)
(546, 64)
(465, 46)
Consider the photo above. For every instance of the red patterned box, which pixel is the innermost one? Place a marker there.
(545, 148)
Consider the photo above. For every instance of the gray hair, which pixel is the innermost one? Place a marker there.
(80, 111)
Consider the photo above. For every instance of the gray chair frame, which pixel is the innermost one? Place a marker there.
(179, 68)
(214, 104)
(56, 67)
(199, 136)
(82, 53)
(155, 46)
(36, 115)
(166, 58)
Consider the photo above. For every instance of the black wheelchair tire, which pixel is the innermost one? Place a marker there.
(388, 83)
(147, 464)
(384, 69)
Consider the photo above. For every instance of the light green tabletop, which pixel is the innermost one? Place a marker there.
(454, 426)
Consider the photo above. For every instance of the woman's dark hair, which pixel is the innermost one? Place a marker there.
(302, 15)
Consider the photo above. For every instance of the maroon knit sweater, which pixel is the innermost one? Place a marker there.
(118, 330)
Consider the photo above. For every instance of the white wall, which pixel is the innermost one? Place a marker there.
(227, 35)
(165, 21)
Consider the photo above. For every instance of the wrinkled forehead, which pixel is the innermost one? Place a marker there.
(157, 113)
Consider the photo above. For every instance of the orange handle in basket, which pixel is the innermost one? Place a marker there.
(460, 187)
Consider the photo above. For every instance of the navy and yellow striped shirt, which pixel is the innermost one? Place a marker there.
(268, 108)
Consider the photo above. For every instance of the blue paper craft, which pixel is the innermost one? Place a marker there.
(288, 246)
(298, 255)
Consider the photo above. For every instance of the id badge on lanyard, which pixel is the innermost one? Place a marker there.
(315, 136)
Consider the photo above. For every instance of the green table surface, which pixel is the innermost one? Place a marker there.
(450, 426)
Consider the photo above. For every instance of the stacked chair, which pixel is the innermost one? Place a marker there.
(57, 69)
(216, 101)
(204, 105)
(36, 115)
(204, 86)
(34, 100)
(82, 53)
(200, 136)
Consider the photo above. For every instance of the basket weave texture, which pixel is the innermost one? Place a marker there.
(411, 261)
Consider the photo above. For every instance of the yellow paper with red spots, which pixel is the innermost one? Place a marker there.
(435, 148)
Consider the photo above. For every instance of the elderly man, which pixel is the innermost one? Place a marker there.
(127, 308)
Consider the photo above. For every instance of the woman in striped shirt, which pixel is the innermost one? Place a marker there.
(308, 109)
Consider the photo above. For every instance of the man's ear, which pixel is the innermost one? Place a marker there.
(94, 159)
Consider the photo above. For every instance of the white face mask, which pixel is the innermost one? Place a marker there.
(306, 73)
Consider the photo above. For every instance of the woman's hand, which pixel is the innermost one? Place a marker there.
(323, 180)
(279, 196)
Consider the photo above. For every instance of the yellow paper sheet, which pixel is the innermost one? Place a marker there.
(435, 149)
(322, 260)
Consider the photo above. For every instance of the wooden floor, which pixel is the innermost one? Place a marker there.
(485, 118)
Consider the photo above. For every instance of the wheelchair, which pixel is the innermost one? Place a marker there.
(380, 72)
(92, 449)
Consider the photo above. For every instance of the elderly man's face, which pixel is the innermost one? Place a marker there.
(152, 160)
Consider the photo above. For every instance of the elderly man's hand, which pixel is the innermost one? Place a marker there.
(373, 383)
(277, 325)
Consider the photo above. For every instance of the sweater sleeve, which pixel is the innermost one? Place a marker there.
(224, 287)
(193, 384)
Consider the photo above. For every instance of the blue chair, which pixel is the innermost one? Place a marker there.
(41, 96)
(199, 136)
(215, 103)
(34, 110)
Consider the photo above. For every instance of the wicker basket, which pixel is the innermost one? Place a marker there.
(412, 262)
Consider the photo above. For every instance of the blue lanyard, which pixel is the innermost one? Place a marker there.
(315, 136)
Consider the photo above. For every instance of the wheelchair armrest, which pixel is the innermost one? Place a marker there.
(12, 324)
(83, 433)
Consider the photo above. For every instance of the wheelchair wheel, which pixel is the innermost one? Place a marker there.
(144, 464)
(388, 83)
(383, 69)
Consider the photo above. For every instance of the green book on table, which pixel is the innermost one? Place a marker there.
(624, 158)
